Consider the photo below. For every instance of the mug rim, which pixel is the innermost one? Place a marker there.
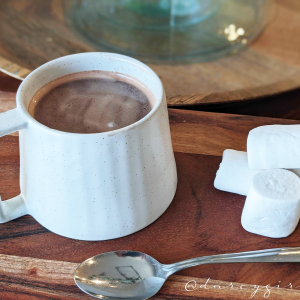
(159, 100)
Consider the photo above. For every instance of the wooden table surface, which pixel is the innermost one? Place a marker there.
(37, 264)
(34, 32)
(285, 105)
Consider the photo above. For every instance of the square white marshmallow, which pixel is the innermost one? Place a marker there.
(272, 207)
(274, 146)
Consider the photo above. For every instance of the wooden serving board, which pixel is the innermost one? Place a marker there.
(33, 32)
(37, 264)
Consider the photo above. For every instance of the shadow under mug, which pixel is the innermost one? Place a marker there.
(94, 186)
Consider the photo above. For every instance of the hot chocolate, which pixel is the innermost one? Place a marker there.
(91, 102)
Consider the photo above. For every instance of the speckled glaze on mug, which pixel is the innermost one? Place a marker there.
(94, 186)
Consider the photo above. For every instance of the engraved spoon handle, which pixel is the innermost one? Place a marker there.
(291, 254)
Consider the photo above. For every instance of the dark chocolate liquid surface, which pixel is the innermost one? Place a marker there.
(91, 102)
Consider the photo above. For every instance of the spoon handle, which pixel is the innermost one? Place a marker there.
(291, 254)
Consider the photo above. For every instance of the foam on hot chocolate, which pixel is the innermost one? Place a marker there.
(91, 102)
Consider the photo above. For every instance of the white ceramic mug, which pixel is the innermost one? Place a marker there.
(94, 186)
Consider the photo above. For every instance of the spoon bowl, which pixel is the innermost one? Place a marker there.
(120, 274)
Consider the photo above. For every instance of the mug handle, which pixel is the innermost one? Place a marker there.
(13, 208)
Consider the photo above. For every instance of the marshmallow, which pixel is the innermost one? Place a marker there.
(272, 207)
(274, 146)
(234, 175)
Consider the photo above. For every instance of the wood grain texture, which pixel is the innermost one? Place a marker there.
(23, 278)
(12, 69)
(8, 83)
(212, 133)
(7, 102)
(200, 221)
(35, 32)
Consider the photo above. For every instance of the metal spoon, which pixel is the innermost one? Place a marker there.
(131, 275)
